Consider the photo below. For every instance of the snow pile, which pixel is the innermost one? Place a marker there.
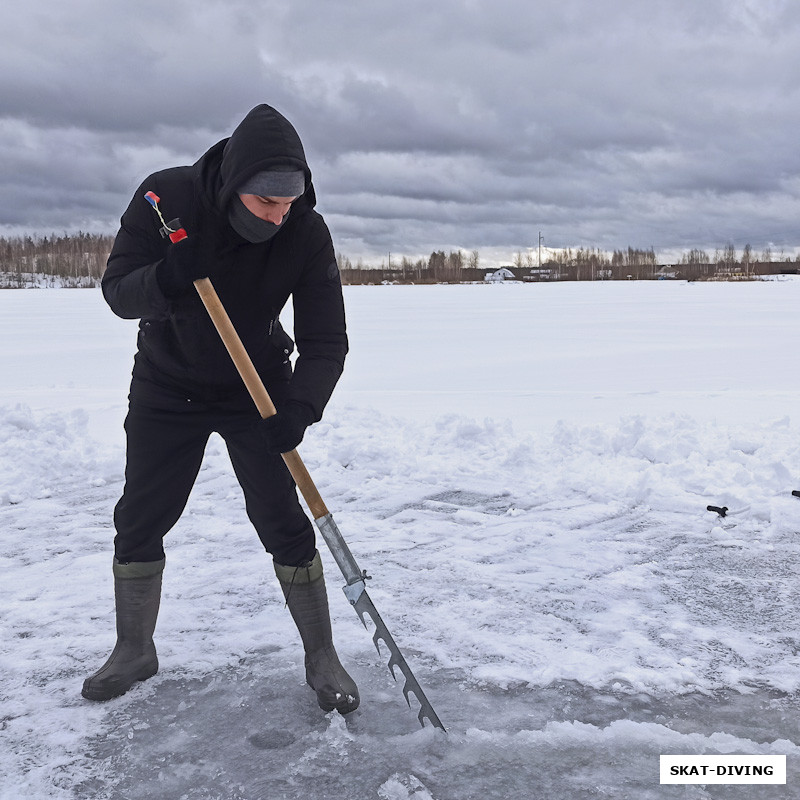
(43, 456)
(588, 553)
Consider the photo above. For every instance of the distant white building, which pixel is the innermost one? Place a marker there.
(502, 274)
(542, 274)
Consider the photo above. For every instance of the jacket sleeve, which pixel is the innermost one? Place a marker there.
(319, 326)
(129, 283)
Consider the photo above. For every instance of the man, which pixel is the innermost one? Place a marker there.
(248, 208)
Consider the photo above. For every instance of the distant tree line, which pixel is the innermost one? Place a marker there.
(80, 259)
(643, 264)
(696, 264)
(439, 267)
(575, 265)
(77, 259)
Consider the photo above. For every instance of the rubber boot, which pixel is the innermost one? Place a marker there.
(137, 590)
(304, 590)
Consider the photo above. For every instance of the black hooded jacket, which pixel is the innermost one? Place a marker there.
(178, 346)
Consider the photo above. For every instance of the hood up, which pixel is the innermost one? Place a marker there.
(263, 139)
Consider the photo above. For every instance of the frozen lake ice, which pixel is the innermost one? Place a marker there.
(523, 469)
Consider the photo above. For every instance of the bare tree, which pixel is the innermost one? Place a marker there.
(728, 257)
(747, 258)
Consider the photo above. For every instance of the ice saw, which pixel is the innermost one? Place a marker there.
(355, 589)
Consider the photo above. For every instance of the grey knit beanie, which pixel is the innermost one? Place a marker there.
(277, 182)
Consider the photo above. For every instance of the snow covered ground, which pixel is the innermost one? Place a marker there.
(525, 472)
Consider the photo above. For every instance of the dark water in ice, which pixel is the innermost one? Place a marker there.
(254, 732)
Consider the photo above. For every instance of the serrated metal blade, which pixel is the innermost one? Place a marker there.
(364, 606)
(356, 593)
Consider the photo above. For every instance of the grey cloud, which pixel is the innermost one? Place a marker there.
(462, 123)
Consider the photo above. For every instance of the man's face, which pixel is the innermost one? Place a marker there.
(270, 209)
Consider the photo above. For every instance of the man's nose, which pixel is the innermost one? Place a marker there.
(275, 215)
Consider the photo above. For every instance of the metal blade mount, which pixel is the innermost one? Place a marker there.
(356, 593)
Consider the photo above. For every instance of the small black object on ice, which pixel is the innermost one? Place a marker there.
(717, 510)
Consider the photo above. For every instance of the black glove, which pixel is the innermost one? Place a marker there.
(199, 256)
(283, 431)
(181, 267)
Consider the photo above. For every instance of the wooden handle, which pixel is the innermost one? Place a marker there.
(252, 380)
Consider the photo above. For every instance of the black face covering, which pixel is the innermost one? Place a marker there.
(248, 225)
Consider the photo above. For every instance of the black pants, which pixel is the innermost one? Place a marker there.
(167, 434)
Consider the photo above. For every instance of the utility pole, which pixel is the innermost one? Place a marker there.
(541, 239)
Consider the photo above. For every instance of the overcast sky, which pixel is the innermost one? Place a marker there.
(470, 124)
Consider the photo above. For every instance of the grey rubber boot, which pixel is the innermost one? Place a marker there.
(137, 590)
(304, 590)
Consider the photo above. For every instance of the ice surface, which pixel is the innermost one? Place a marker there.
(523, 470)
